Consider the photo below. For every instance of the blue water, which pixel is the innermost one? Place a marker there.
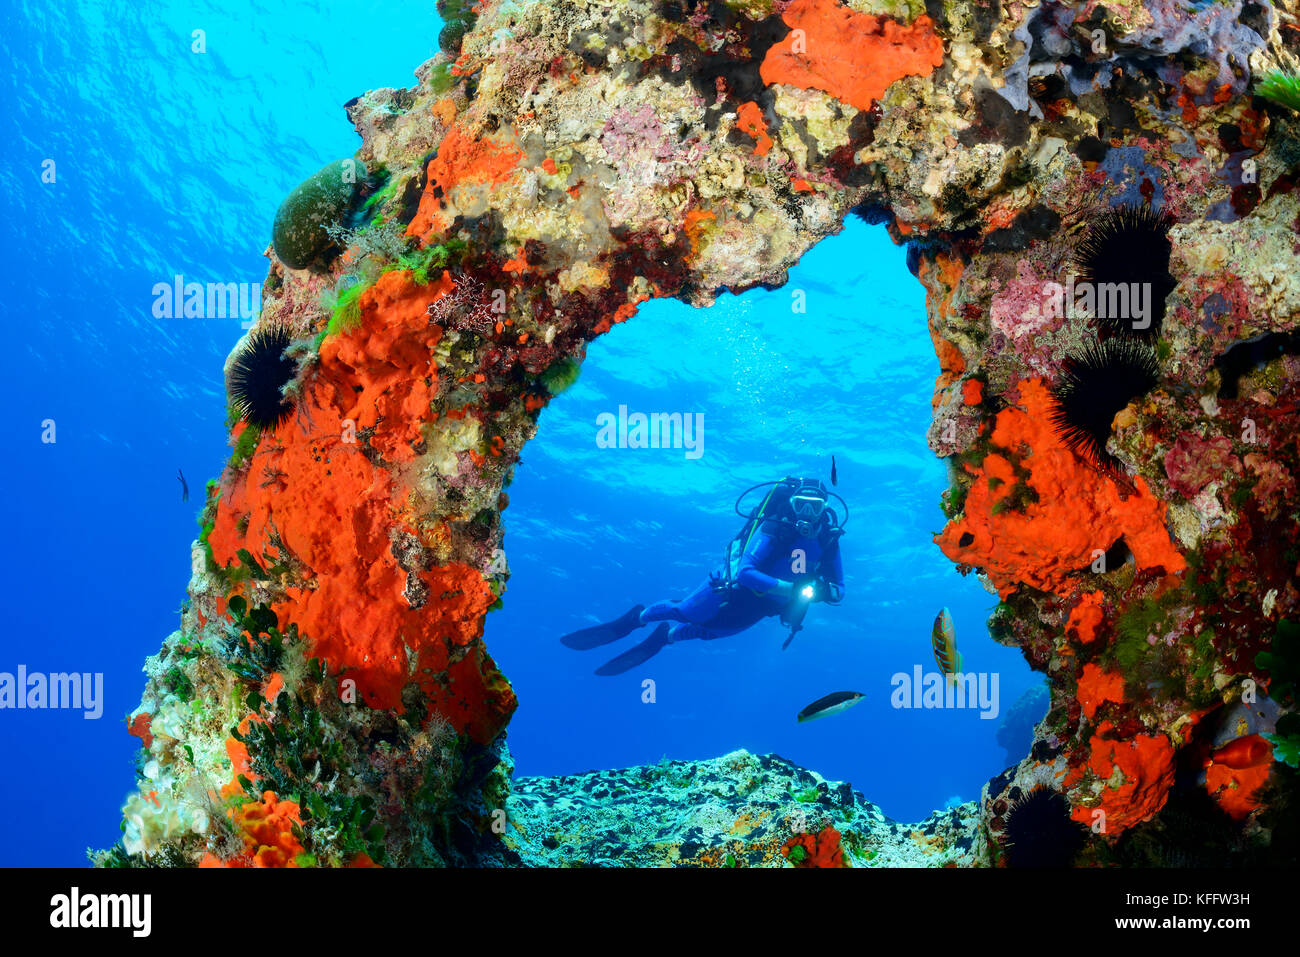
(171, 162)
(591, 531)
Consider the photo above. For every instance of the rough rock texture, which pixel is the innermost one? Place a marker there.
(564, 161)
(740, 810)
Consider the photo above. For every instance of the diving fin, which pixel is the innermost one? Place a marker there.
(637, 654)
(598, 635)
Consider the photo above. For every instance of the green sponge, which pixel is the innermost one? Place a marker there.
(324, 199)
(458, 19)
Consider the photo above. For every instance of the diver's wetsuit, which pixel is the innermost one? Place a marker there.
(707, 614)
(764, 585)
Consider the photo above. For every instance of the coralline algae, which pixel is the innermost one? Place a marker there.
(328, 699)
(740, 810)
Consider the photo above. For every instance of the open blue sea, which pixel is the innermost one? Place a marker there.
(169, 162)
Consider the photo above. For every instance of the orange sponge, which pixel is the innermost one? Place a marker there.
(1136, 776)
(1235, 773)
(1097, 687)
(267, 827)
(1079, 510)
(852, 56)
(819, 850)
(461, 159)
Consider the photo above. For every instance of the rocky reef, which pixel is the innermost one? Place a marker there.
(740, 810)
(1101, 205)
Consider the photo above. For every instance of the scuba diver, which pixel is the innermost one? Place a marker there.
(785, 557)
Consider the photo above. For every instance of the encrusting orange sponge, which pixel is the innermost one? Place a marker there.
(1080, 512)
(310, 489)
(852, 56)
(1097, 687)
(1135, 777)
(822, 849)
(461, 159)
(1085, 618)
(267, 827)
(391, 358)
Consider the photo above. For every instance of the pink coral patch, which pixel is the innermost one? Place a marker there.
(1193, 463)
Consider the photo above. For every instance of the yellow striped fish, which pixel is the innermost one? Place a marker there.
(944, 643)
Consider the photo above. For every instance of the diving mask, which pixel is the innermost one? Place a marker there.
(807, 505)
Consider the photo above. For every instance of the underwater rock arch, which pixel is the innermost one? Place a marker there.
(563, 161)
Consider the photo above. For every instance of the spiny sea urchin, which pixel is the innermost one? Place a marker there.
(1124, 255)
(258, 375)
(1094, 385)
(1039, 831)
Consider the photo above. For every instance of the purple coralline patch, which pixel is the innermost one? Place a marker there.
(1232, 175)
(637, 144)
(1128, 164)
(1212, 31)
(1217, 316)
(1026, 313)
(1181, 178)
(1213, 309)
(1229, 310)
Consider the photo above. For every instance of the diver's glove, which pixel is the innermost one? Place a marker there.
(718, 581)
(831, 593)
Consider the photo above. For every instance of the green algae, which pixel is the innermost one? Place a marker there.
(177, 682)
(378, 199)
(441, 79)
(346, 314)
(952, 501)
(207, 521)
(1281, 87)
(560, 375)
(245, 446)
(1286, 740)
(422, 262)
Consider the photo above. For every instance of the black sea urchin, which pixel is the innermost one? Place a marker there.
(1040, 832)
(258, 375)
(1124, 262)
(1094, 385)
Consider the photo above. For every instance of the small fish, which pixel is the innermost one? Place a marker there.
(833, 703)
(185, 488)
(944, 643)
(835, 479)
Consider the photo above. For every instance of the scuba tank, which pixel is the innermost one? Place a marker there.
(774, 507)
(776, 498)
